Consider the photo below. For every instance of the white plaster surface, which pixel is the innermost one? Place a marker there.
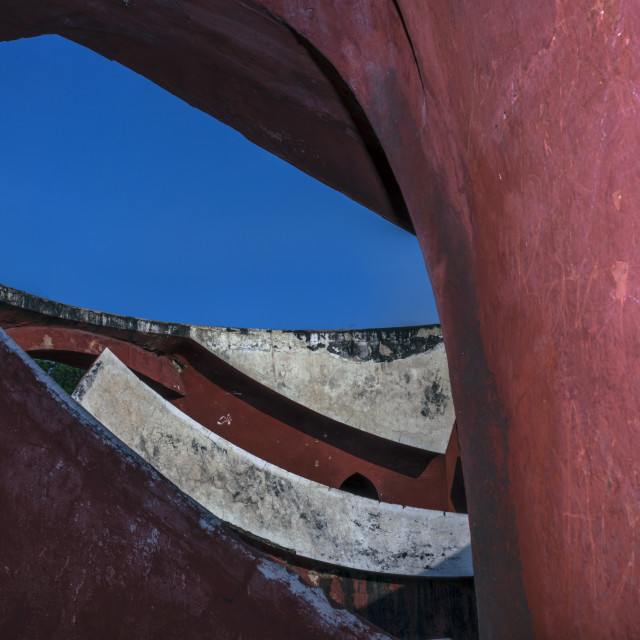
(265, 501)
(404, 397)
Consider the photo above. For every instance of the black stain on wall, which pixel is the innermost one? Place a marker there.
(372, 345)
(435, 401)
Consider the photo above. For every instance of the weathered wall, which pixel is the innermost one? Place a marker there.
(390, 382)
(95, 544)
(410, 608)
(230, 403)
(287, 511)
(393, 383)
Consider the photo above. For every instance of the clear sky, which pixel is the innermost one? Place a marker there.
(117, 196)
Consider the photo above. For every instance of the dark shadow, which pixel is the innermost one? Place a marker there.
(358, 485)
(417, 608)
(458, 495)
(76, 359)
(407, 607)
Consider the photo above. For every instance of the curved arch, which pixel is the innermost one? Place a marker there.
(273, 505)
(80, 348)
(365, 130)
(490, 180)
(250, 69)
(359, 485)
(206, 387)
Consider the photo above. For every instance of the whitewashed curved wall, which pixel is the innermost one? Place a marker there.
(265, 501)
(393, 383)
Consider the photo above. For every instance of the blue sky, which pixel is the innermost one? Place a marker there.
(117, 196)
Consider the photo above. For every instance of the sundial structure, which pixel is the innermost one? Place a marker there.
(506, 136)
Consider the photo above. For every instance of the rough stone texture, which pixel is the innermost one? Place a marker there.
(408, 607)
(511, 131)
(390, 382)
(95, 544)
(232, 404)
(287, 511)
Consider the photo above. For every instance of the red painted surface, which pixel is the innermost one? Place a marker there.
(512, 131)
(408, 607)
(94, 544)
(81, 348)
(241, 410)
(302, 441)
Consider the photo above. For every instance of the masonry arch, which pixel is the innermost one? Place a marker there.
(360, 485)
(247, 67)
(460, 98)
(244, 64)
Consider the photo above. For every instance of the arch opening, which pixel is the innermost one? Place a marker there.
(65, 375)
(359, 485)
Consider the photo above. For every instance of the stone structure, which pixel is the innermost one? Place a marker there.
(401, 376)
(94, 542)
(231, 404)
(506, 135)
(406, 569)
(264, 501)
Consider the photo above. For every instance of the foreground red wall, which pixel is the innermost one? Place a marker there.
(511, 130)
(94, 544)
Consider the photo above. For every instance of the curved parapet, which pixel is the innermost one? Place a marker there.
(282, 509)
(399, 375)
(233, 404)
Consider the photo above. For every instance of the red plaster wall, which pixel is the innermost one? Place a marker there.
(411, 608)
(94, 544)
(81, 348)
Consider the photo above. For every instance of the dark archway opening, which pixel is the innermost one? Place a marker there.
(358, 485)
(458, 495)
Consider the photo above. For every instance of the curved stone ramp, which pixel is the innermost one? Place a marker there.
(266, 502)
(96, 544)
